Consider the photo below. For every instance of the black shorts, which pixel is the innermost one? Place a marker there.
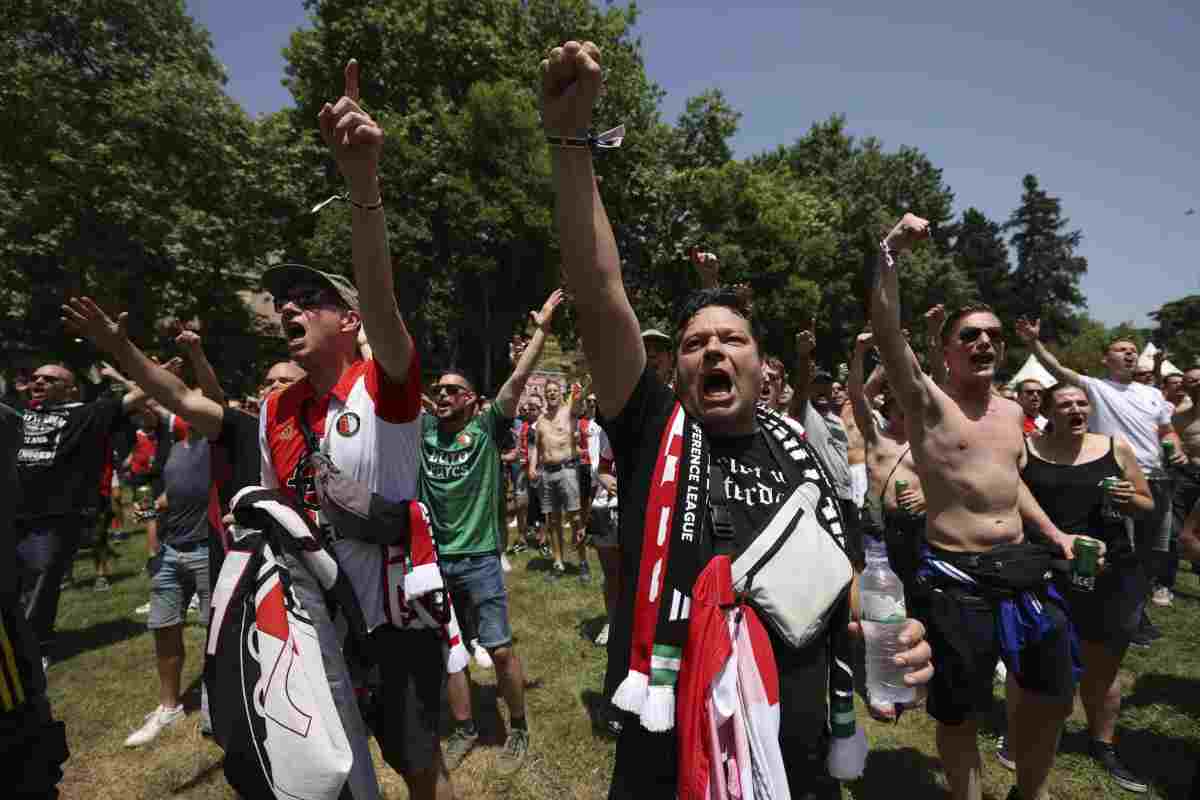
(1110, 614)
(962, 681)
(412, 667)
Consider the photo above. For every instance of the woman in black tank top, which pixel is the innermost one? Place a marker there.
(1063, 471)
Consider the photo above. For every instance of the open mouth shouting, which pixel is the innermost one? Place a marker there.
(716, 387)
(983, 360)
(1077, 422)
(294, 332)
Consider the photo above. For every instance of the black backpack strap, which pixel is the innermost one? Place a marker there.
(719, 519)
(310, 438)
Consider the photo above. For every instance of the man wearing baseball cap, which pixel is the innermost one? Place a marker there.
(659, 355)
(365, 412)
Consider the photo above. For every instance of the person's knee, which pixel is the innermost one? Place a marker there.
(503, 657)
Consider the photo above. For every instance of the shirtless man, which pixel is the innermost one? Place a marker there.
(558, 459)
(968, 449)
(898, 516)
(856, 448)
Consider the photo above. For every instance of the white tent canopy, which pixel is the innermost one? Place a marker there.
(1148, 355)
(1033, 370)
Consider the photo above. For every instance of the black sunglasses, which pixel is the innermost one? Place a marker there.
(451, 389)
(969, 333)
(307, 298)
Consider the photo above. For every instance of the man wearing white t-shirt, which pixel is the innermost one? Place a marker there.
(1139, 413)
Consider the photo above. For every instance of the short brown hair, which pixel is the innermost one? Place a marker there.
(1116, 339)
(954, 318)
(1021, 385)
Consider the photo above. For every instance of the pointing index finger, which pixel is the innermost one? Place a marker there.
(352, 79)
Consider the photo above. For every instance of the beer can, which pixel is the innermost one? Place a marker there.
(1168, 450)
(1107, 509)
(1086, 564)
(901, 487)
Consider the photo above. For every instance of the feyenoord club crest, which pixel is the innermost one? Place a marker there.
(464, 439)
(348, 424)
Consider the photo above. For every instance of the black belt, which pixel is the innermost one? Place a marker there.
(572, 462)
(187, 547)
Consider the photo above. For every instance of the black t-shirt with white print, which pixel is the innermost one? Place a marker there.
(62, 454)
(756, 486)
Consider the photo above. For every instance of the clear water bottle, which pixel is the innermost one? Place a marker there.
(883, 616)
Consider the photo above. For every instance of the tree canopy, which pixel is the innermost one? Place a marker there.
(142, 183)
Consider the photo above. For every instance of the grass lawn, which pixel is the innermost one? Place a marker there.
(105, 682)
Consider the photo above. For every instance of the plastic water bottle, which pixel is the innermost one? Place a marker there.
(883, 616)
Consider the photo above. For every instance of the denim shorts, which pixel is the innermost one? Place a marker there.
(476, 585)
(179, 576)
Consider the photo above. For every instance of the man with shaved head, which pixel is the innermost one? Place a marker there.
(59, 464)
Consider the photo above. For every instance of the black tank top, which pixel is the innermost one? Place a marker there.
(1071, 496)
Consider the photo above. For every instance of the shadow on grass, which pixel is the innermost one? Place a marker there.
(907, 767)
(72, 642)
(1168, 763)
(1154, 688)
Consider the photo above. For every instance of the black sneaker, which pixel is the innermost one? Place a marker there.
(556, 572)
(544, 549)
(458, 745)
(518, 547)
(1141, 640)
(1106, 754)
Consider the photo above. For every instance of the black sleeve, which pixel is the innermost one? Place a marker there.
(644, 410)
(239, 438)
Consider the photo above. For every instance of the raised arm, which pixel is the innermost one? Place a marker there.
(806, 342)
(190, 343)
(134, 395)
(511, 391)
(1029, 331)
(612, 339)
(356, 142)
(855, 387)
(907, 381)
(707, 267)
(87, 319)
(935, 320)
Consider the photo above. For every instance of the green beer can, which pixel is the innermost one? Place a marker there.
(901, 488)
(1086, 565)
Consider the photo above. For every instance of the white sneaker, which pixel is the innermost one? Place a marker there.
(504, 565)
(602, 637)
(1001, 672)
(1162, 597)
(142, 609)
(194, 603)
(483, 659)
(157, 720)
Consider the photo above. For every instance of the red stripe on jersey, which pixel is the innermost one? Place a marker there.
(394, 402)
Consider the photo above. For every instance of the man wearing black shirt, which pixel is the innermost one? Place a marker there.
(59, 464)
(719, 376)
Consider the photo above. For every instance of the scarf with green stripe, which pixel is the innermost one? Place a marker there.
(675, 550)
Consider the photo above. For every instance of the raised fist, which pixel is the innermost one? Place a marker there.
(571, 82)
(806, 340)
(908, 231)
(935, 318)
(188, 340)
(354, 139)
(708, 267)
(1029, 331)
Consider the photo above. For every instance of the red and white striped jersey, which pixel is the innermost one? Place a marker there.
(370, 425)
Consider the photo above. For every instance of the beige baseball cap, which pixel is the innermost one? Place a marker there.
(278, 279)
(655, 333)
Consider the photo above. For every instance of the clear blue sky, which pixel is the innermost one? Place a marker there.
(1098, 100)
